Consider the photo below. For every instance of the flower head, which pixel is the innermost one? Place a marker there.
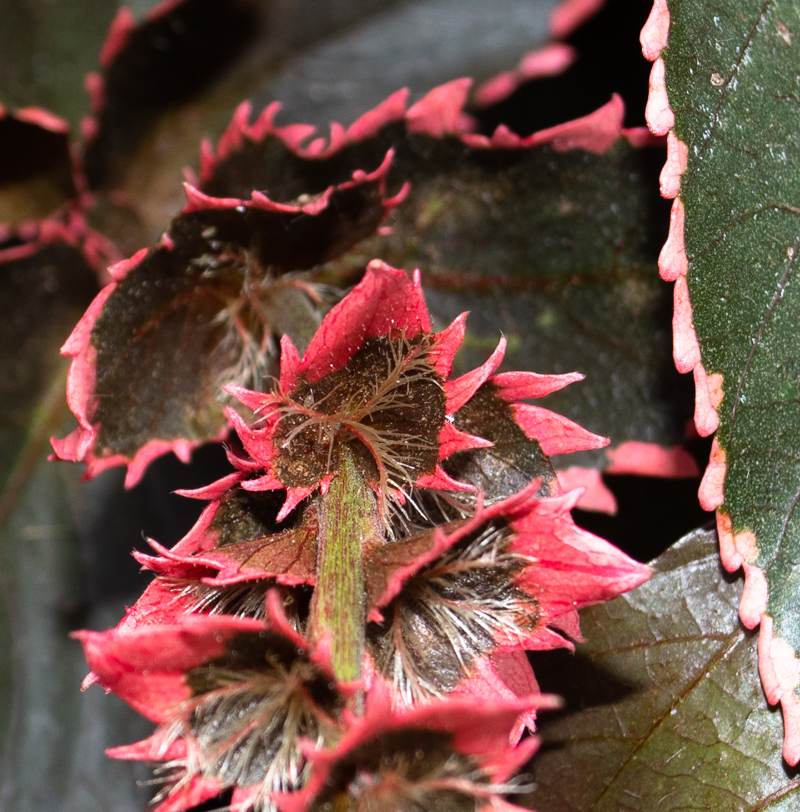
(377, 378)
(446, 603)
(233, 697)
(452, 756)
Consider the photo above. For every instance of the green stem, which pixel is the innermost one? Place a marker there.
(349, 518)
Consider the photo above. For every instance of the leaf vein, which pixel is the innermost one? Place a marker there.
(718, 657)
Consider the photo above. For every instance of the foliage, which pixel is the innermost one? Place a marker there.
(285, 666)
(732, 264)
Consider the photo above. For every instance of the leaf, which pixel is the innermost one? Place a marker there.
(302, 53)
(200, 310)
(731, 95)
(150, 66)
(664, 710)
(289, 557)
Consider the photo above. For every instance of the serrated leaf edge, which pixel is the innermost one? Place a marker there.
(778, 663)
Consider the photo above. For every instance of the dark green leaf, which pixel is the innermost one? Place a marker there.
(200, 310)
(732, 84)
(664, 710)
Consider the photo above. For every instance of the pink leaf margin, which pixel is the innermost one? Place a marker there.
(67, 223)
(119, 33)
(550, 60)
(441, 112)
(81, 444)
(778, 663)
(569, 15)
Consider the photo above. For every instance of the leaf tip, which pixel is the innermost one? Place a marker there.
(595, 496)
(438, 113)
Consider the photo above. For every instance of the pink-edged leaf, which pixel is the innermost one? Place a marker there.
(43, 293)
(731, 253)
(43, 197)
(288, 557)
(148, 66)
(237, 515)
(198, 311)
(236, 539)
